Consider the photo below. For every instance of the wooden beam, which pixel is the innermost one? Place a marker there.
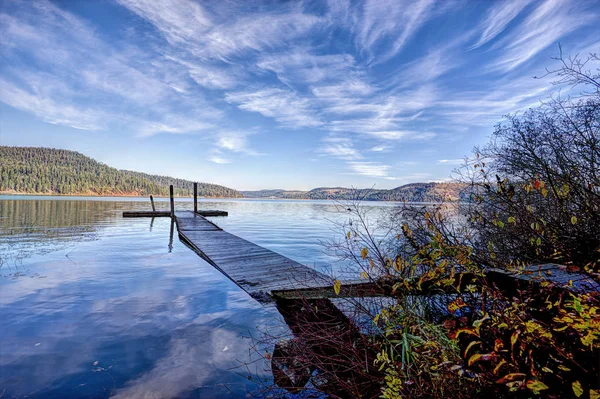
(172, 201)
(152, 214)
(146, 214)
(196, 197)
(152, 202)
(210, 212)
(347, 290)
(506, 281)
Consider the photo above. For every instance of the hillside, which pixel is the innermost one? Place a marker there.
(414, 192)
(32, 170)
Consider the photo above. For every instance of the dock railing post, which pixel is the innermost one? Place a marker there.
(172, 201)
(152, 202)
(195, 197)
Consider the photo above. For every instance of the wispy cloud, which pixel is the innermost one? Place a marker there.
(548, 22)
(498, 19)
(371, 169)
(219, 160)
(340, 148)
(86, 83)
(379, 21)
(451, 161)
(285, 106)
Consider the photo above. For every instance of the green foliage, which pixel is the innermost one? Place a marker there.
(35, 170)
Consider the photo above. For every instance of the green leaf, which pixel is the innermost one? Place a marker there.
(577, 389)
(573, 219)
(511, 219)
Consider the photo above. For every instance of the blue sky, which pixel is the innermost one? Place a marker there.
(289, 94)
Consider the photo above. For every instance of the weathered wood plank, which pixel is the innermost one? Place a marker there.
(255, 269)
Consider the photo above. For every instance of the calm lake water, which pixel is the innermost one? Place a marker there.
(93, 305)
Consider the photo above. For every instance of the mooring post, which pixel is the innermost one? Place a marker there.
(195, 197)
(152, 201)
(172, 201)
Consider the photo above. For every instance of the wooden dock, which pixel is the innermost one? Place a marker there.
(255, 269)
(267, 275)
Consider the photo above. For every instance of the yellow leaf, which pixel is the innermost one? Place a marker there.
(514, 337)
(364, 275)
(337, 285)
(510, 377)
(577, 389)
(472, 344)
(573, 219)
(499, 365)
(348, 235)
(544, 192)
(466, 330)
(594, 394)
(536, 386)
(511, 219)
(364, 252)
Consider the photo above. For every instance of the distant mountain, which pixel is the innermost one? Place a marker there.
(33, 170)
(414, 192)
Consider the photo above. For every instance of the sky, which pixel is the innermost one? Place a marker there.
(289, 94)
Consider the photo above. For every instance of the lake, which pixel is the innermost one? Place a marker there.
(94, 306)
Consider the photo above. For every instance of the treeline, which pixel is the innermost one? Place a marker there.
(414, 192)
(35, 170)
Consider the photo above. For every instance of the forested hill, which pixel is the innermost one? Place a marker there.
(414, 192)
(35, 170)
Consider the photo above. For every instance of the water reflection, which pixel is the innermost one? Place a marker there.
(122, 316)
(115, 307)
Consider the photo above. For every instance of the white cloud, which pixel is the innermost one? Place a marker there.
(382, 20)
(285, 106)
(550, 21)
(219, 160)
(372, 169)
(380, 148)
(498, 18)
(451, 161)
(300, 66)
(49, 109)
(340, 147)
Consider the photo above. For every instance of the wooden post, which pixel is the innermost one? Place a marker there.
(195, 197)
(172, 201)
(152, 201)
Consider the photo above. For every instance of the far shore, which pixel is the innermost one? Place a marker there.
(6, 193)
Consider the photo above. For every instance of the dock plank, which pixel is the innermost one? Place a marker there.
(257, 270)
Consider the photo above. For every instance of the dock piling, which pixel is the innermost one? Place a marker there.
(172, 201)
(152, 202)
(195, 197)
